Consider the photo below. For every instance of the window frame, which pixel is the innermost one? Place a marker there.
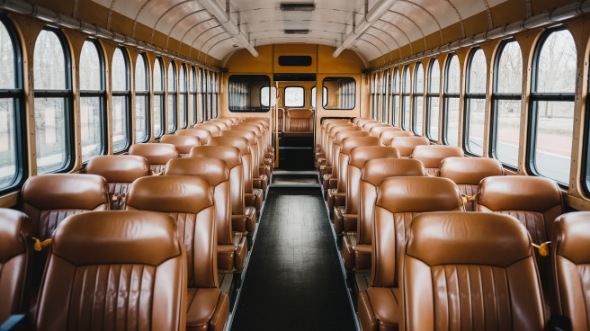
(146, 95)
(182, 96)
(395, 94)
(285, 96)
(406, 111)
(429, 96)
(415, 96)
(385, 100)
(171, 123)
(127, 95)
(161, 94)
(448, 95)
(193, 85)
(472, 96)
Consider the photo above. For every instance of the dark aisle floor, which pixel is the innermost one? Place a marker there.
(294, 280)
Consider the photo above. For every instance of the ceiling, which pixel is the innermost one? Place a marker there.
(371, 29)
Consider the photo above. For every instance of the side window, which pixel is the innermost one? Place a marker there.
(475, 102)
(158, 99)
(201, 94)
(172, 95)
(395, 89)
(193, 93)
(506, 104)
(406, 99)
(248, 93)
(385, 96)
(92, 101)
(12, 125)
(142, 100)
(418, 98)
(53, 102)
(451, 101)
(183, 98)
(433, 101)
(552, 105)
(294, 96)
(324, 96)
(374, 99)
(121, 105)
(339, 93)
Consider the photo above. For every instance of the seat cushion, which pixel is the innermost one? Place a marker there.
(208, 309)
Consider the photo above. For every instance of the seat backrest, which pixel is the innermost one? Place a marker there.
(157, 154)
(325, 132)
(233, 160)
(202, 134)
(357, 159)
(369, 126)
(467, 172)
(245, 155)
(15, 229)
(183, 143)
(470, 271)
(123, 270)
(399, 200)
(406, 145)
(252, 145)
(373, 173)
(362, 121)
(377, 130)
(571, 258)
(337, 148)
(213, 129)
(189, 201)
(432, 156)
(220, 124)
(387, 135)
(299, 120)
(535, 201)
(346, 147)
(119, 171)
(331, 136)
(216, 173)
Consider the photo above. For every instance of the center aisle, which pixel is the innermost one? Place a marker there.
(294, 279)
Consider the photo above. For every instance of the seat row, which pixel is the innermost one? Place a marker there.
(204, 195)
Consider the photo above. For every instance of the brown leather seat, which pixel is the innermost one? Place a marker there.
(298, 123)
(252, 197)
(535, 201)
(119, 171)
(213, 129)
(467, 172)
(326, 167)
(231, 246)
(432, 156)
(399, 200)
(243, 217)
(183, 143)
(49, 199)
(322, 154)
(337, 196)
(369, 126)
(15, 229)
(387, 135)
(571, 257)
(406, 145)
(222, 125)
(157, 155)
(202, 134)
(377, 130)
(470, 271)
(356, 246)
(189, 201)
(362, 121)
(254, 138)
(111, 270)
(331, 179)
(266, 152)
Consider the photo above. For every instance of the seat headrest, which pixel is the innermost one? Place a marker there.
(470, 170)
(571, 237)
(406, 145)
(202, 134)
(389, 134)
(353, 142)
(121, 237)
(213, 170)
(185, 194)
(118, 168)
(240, 143)
(376, 130)
(250, 136)
(300, 113)
(418, 194)
(432, 155)
(468, 238)
(335, 129)
(15, 226)
(155, 153)
(340, 136)
(213, 129)
(228, 154)
(519, 193)
(249, 127)
(376, 170)
(183, 143)
(360, 155)
(65, 191)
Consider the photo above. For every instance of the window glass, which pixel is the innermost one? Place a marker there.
(418, 98)
(142, 100)
(385, 95)
(294, 96)
(553, 99)
(249, 93)
(340, 93)
(11, 95)
(406, 99)
(182, 106)
(475, 101)
(52, 103)
(507, 104)
(193, 92)
(395, 90)
(158, 99)
(171, 106)
(121, 101)
(433, 101)
(324, 96)
(451, 101)
(91, 101)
